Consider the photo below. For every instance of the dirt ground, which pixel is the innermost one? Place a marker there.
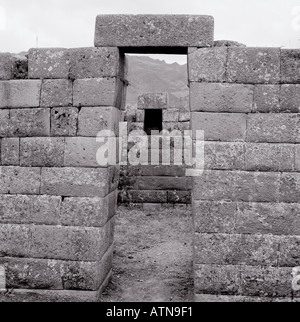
(153, 257)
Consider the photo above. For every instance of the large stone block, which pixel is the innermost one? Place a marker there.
(79, 182)
(266, 281)
(153, 101)
(154, 31)
(224, 156)
(216, 279)
(228, 127)
(10, 151)
(38, 210)
(52, 63)
(17, 180)
(95, 63)
(88, 212)
(64, 121)
(42, 152)
(81, 152)
(92, 120)
(220, 98)
(246, 218)
(4, 122)
(55, 242)
(55, 274)
(162, 183)
(20, 93)
(237, 186)
(224, 249)
(161, 171)
(254, 65)
(6, 66)
(273, 128)
(34, 122)
(98, 92)
(266, 98)
(56, 93)
(270, 157)
(290, 187)
(143, 196)
(290, 98)
(208, 65)
(290, 66)
(288, 255)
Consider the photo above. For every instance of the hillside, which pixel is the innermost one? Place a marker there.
(152, 75)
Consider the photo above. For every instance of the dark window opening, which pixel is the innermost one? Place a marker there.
(153, 121)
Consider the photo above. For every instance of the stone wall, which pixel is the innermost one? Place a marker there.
(156, 185)
(57, 206)
(246, 204)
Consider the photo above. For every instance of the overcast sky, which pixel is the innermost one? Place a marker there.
(71, 23)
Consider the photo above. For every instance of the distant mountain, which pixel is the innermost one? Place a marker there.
(147, 75)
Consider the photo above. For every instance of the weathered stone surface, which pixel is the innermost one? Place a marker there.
(228, 127)
(264, 282)
(64, 121)
(220, 98)
(17, 180)
(20, 93)
(161, 171)
(170, 115)
(273, 128)
(290, 187)
(52, 63)
(54, 274)
(162, 183)
(152, 207)
(208, 65)
(4, 122)
(56, 93)
(223, 249)
(153, 101)
(81, 152)
(215, 279)
(6, 66)
(290, 98)
(266, 98)
(52, 296)
(92, 120)
(237, 186)
(88, 212)
(55, 242)
(143, 196)
(270, 157)
(205, 298)
(184, 117)
(98, 92)
(247, 218)
(10, 151)
(29, 122)
(224, 156)
(297, 158)
(78, 182)
(290, 66)
(42, 152)
(288, 255)
(179, 197)
(21, 209)
(254, 65)
(154, 31)
(95, 63)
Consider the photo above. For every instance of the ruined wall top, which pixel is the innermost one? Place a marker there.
(154, 31)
